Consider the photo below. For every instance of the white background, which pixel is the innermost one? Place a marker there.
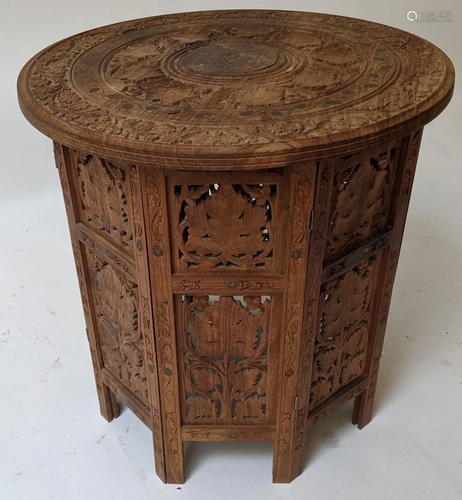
(53, 442)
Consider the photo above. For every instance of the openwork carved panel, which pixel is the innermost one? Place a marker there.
(225, 344)
(223, 226)
(116, 305)
(361, 202)
(103, 204)
(341, 342)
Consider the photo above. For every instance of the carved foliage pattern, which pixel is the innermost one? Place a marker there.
(340, 345)
(103, 202)
(117, 308)
(379, 56)
(361, 202)
(225, 226)
(225, 358)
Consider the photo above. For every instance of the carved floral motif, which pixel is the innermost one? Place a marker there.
(224, 226)
(225, 358)
(361, 202)
(103, 200)
(341, 343)
(125, 74)
(121, 340)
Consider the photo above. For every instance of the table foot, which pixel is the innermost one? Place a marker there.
(363, 405)
(107, 403)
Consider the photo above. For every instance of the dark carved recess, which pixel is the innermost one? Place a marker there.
(341, 342)
(361, 203)
(224, 226)
(224, 342)
(116, 303)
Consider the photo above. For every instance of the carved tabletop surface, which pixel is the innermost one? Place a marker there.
(242, 88)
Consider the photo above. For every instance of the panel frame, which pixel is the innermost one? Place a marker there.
(229, 178)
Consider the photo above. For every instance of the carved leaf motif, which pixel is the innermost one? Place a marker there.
(116, 304)
(202, 408)
(225, 349)
(319, 389)
(251, 408)
(355, 342)
(341, 344)
(383, 65)
(353, 369)
(224, 226)
(325, 359)
(103, 200)
(204, 379)
(361, 202)
(251, 378)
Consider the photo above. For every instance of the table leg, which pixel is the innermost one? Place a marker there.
(107, 400)
(362, 412)
(158, 245)
(290, 422)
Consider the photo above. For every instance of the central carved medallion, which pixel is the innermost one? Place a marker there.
(230, 59)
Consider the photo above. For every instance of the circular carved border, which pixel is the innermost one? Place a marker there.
(317, 80)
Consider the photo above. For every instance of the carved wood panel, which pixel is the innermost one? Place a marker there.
(361, 202)
(102, 199)
(116, 302)
(226, 349)
(223, 226)
(342, 340)
(266, 81)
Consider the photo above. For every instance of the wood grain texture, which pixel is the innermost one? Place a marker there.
(219, 224)
(107, 402)
(113, 255)
(116, 305)
(236, 185)
(223, 226)
(228, 433)
(135, 204)
(103, 204)
(126, 396)
(301, 195)
(212, 283)
(209, 90)
(339, 399)
(362, 412)
(230, 361)
(367, 184)
(342, 340)
(318, 240)
(158, 245)
(355, 257)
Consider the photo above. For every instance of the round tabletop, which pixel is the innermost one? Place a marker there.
(234, 89)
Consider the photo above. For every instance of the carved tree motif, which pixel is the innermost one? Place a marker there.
(225, 347)
(361, 202)
(116, 306)
(225, 226)
(103, 201)
(341, 343)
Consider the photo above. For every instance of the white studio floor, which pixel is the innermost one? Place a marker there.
(53, 442)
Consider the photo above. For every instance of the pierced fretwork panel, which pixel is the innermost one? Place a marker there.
(122, 345)
(341, 342)
(102, 201)
(224, 345)
(223, 226)
(361, 203)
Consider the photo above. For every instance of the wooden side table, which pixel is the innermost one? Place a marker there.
(236, 184)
